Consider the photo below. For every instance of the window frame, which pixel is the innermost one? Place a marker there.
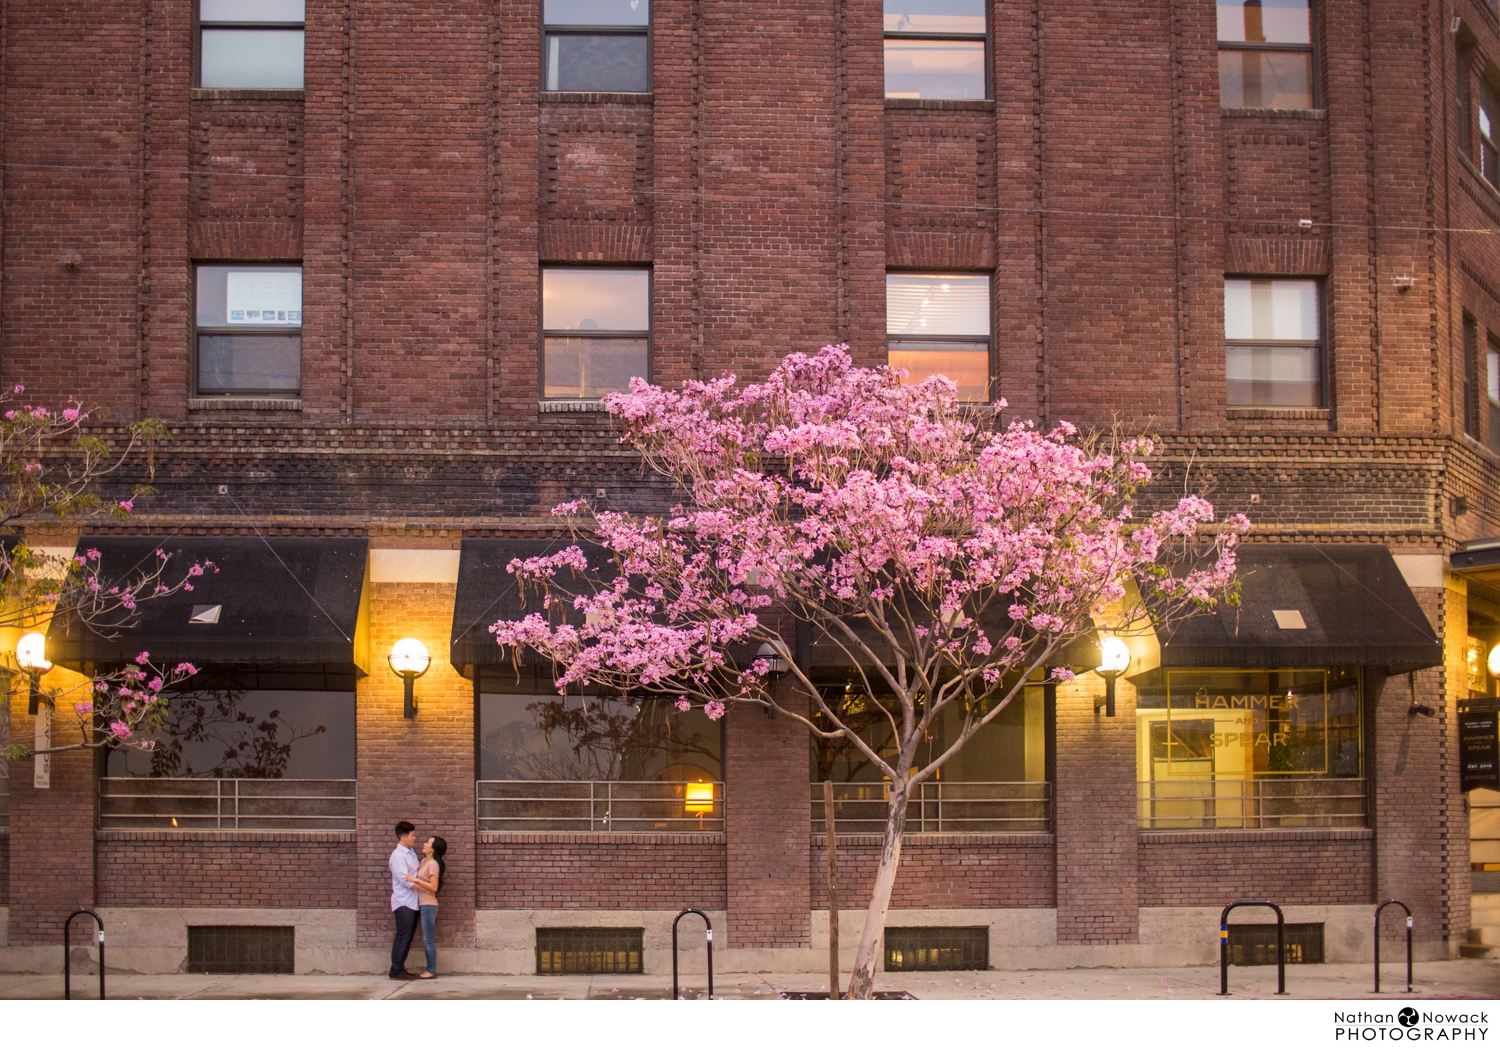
(1491, 406)
(992, 378)
(1320, 344)
(1471, 375)
(1311, 47)
(989, 58)
(598, 333)
(213, 329)
(198, 25)
(1485, 152)
(648, 31)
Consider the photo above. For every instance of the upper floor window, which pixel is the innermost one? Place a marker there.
(1469, 387)
(596, 45)
(1273, 332)
(1488, 120)
(596, 330)
(935, 49)
(250, 43)
(1492, 389)
(939, 324)
(248, 331)
(1265, 54)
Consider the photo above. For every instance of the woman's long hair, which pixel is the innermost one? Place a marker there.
(439, 847)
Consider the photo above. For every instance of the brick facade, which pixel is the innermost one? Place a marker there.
(421, 179)
(204, 870)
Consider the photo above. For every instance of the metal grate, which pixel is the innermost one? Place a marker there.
(1270, 802)
(1254, 944)
(942, 807)
(242, 949)
(609, 949)
(937, 948)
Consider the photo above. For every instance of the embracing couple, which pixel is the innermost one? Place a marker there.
(414, 889)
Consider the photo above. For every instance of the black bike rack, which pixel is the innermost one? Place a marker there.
(1378, 910)
(1224, 944)
(68, 952)
(709, 928)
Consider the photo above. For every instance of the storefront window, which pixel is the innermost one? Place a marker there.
(996, 782)
(586, 763)
(1250, 748)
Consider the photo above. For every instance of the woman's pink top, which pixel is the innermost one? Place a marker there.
(427, 872)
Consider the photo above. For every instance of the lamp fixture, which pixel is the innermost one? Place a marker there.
(1114, 658)
(31, 654)
(779, 666)
(409, 661)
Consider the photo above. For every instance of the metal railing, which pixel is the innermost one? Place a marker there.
(193, 804)
(1237, 804)
(619, 806)
(940, 807)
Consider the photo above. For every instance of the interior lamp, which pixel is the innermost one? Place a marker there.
(1114, 658)
(698, 798)
(409, 660)
(1494, 661)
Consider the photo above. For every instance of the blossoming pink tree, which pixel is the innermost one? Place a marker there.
(51, 468)
(948, 560)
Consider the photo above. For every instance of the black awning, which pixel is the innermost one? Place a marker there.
(1310, 605)
(295, 604)
(487, 593)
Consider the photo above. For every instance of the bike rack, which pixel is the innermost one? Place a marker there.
(68, 952)
(1378, 910)
(1224, 944)
(709, 926)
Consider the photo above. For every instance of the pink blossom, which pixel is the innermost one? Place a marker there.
(683, 704)
(70, 414)
(19, 388)
(121, 730)
(83, 707)
(126, 505)
(714, 710)
(142, 657)
(185, 668)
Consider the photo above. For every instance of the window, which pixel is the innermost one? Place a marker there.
(935, 49)
(250, 43)
(939, 324)
(1272, 330)
(1492, 392)
(1265, 54)
(1250, 749)
(248, 331)
(596, 45)
(1489, 132)
(596, 330)
(1470, 383)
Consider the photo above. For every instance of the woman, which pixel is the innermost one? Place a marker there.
(427, 880)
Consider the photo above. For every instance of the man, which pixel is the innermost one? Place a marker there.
(403, 898)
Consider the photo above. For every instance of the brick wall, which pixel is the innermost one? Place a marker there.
(974, 871)
(601, 871)
(4, 868)
(1206, 869)
(198, 870)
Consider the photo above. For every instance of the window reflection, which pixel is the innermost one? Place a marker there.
(939, 324)
(935, 49)
(1265, 54)
(596, 326)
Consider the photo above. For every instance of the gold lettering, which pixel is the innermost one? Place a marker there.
(1201, 700)
(1279, 739)
(1220, 702)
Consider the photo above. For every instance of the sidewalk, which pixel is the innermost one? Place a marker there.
(1458, 979)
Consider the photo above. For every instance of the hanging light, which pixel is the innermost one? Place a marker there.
(409, 660)
(1114, 658)
(31, 654)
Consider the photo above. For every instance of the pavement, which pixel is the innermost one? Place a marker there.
(1457, 979)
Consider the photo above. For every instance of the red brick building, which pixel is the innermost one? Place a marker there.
(374, 263)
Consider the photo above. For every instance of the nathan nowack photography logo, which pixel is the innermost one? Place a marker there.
(1410, 1025)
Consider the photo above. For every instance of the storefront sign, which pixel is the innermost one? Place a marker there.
(1479, 749)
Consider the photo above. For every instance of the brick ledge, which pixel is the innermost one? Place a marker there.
(1322, 414)
(1270, 835)
(593, 838)
(619, 98)
(1291, 114)
(241, 404)
(117, 835)
(246, 94)
(1019, 838)
(983, 105)
(570, 405)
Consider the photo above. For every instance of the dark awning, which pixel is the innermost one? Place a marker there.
(1310, 605)
(299, 602)
(487, 593)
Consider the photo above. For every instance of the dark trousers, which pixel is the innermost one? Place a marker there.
(406, 928)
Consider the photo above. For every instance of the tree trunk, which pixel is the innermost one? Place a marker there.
(862, 983)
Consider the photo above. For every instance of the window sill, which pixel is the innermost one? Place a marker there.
(1473, 169)
(569, 405)
(979, 105)
(1322, 414)
(619, 98)
(1288, 114)
(244, 404)
(245, 94)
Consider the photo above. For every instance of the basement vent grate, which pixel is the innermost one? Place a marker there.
(1254, 944)
(937, 948)
(596, 949)
(242, 949)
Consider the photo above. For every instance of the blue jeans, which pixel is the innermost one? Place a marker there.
(429, 935)
(406, 925)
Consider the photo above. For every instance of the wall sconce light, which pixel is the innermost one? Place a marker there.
(1114, 658)
(31, 654)
(1493, 662)
(698, 799)
(779, 666)
(409, 660)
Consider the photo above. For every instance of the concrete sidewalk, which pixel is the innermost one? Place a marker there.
(1459, 979)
